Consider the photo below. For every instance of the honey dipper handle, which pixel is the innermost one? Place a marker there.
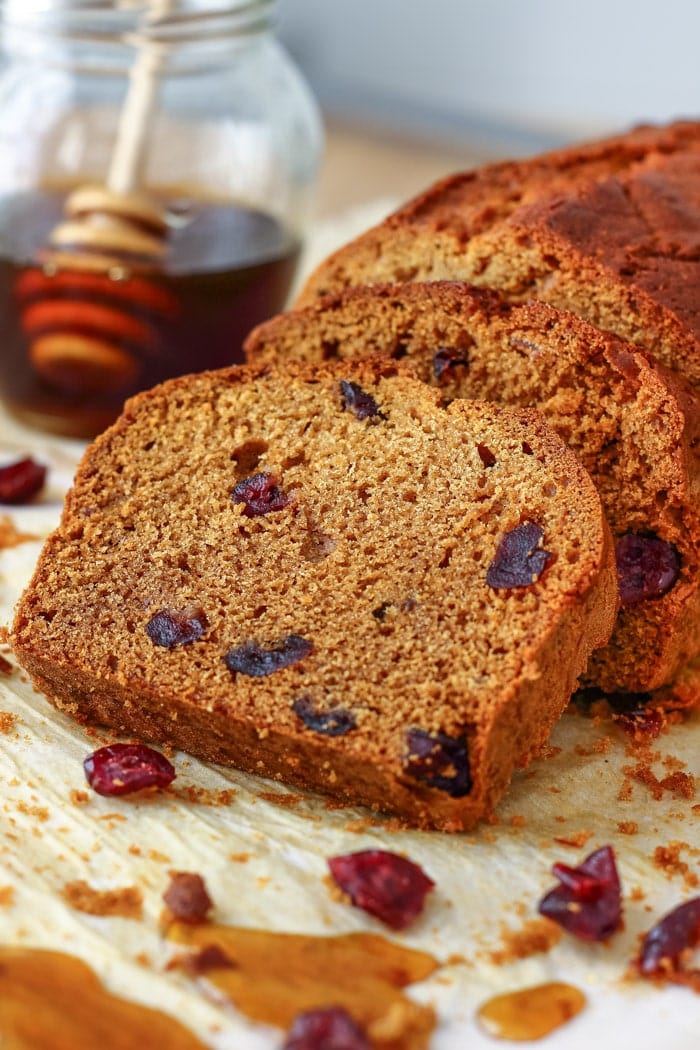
(135, 120)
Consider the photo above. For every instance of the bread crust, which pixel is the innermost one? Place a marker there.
(607, 230)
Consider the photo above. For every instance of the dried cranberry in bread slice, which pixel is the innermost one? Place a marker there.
(313, 575)
(609, 230)
(635, 426)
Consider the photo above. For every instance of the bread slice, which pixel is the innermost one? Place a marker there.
(325, 577)
(635, 426)
(610, 231)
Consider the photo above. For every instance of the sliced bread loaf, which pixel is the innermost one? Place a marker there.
(325, 577)
(634, 425)
(610, 231)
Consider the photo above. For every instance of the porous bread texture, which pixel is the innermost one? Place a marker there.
(610, 231)
(623, 252)
(634, 425)
(379, 560)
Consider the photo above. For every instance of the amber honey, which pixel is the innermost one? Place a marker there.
(531, 1013)
(272, 977)
(125, 327)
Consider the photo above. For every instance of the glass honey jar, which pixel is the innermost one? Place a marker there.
(158, 162)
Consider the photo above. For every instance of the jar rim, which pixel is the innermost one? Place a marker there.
(166, 21)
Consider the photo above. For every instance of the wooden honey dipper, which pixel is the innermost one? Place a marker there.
(90, 313)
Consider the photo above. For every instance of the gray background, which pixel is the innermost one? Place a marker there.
(509, 73)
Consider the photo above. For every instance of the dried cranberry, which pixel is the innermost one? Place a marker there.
(387, 886)
(170, 627)
(186, 897)
(251, 659)
(440, 761)
(335, 722)
(359, 401)
(210, 957)
(21, 480)
(120, 769)
(642, 723)
(486, 455)
(647, 567)
(519, 560)
(445, 360)
(588, 901)
(261, 494)
(667, 942)
(330, 1028)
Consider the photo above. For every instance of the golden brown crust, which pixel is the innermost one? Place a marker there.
(378, 559)
(607, 230)
(634, 424)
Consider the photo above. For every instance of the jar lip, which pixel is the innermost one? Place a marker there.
(166, 21)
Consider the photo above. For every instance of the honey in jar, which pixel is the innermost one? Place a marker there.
(154, 191)
(76, 341)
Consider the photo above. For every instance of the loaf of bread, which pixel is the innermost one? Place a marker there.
(610, 231)
(634, 425)
(327, 577)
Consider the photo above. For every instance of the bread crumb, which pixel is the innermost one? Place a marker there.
(160, 858)
(628, 827)
(668, 859)
(79, 798)
(285, 799)
(38, 812)
(682, 785)
(601, 746)
(126, 903)
(673, 763)
(7, 896)
(518, 820)
(200, 796)
(8, 721)
(334, 890)
(240, 858)
(536, 937)
(547, 751)
(576, 840)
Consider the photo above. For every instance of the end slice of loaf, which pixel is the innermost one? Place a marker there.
(313, 575)
(610, 230)
(634, 425)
